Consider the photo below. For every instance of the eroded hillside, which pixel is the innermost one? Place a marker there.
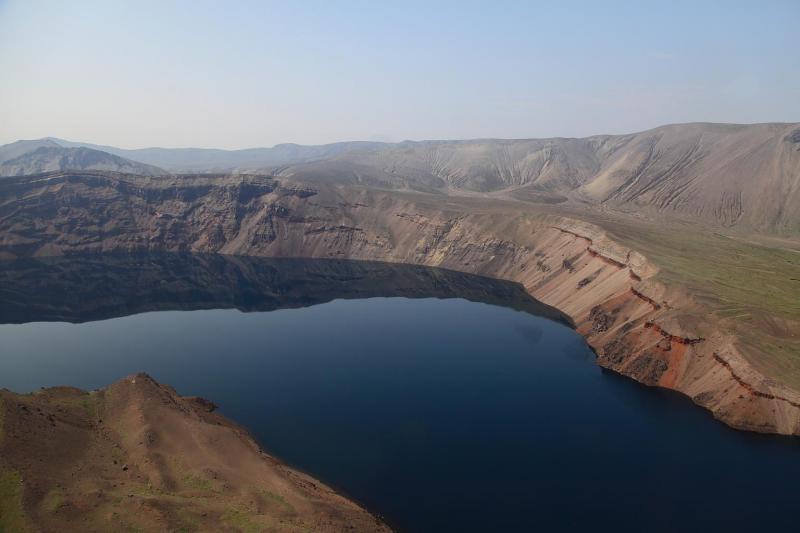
(725, 174)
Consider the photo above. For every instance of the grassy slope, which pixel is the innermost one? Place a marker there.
(11, 514)
(752, 289)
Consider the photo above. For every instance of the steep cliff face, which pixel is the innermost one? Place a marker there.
(640, 328)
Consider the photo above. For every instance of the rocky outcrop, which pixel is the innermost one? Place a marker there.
(638, 327)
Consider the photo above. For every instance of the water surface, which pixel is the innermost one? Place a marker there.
(448, 413)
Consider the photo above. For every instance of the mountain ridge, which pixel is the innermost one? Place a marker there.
(745, 175)
(36, 157)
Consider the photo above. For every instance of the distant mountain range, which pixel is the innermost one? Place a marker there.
(34, 157)
(726, 173)
(185, 160)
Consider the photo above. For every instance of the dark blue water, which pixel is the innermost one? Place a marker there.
(439, 414)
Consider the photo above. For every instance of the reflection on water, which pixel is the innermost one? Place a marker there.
(86, 288)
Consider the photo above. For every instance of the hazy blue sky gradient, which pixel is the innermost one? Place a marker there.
(243, 74)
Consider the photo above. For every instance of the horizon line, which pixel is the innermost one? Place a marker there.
(100, 146)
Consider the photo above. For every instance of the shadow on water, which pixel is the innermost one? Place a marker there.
(97, 287)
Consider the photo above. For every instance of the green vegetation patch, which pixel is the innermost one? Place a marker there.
(277, 498)
(199, 483)
(12, 515)
(241, 517)
(53, 501)
(753, 288)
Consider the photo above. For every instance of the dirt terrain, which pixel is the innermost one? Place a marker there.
(135, 456)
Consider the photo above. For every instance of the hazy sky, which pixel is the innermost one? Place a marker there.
(240, 74)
